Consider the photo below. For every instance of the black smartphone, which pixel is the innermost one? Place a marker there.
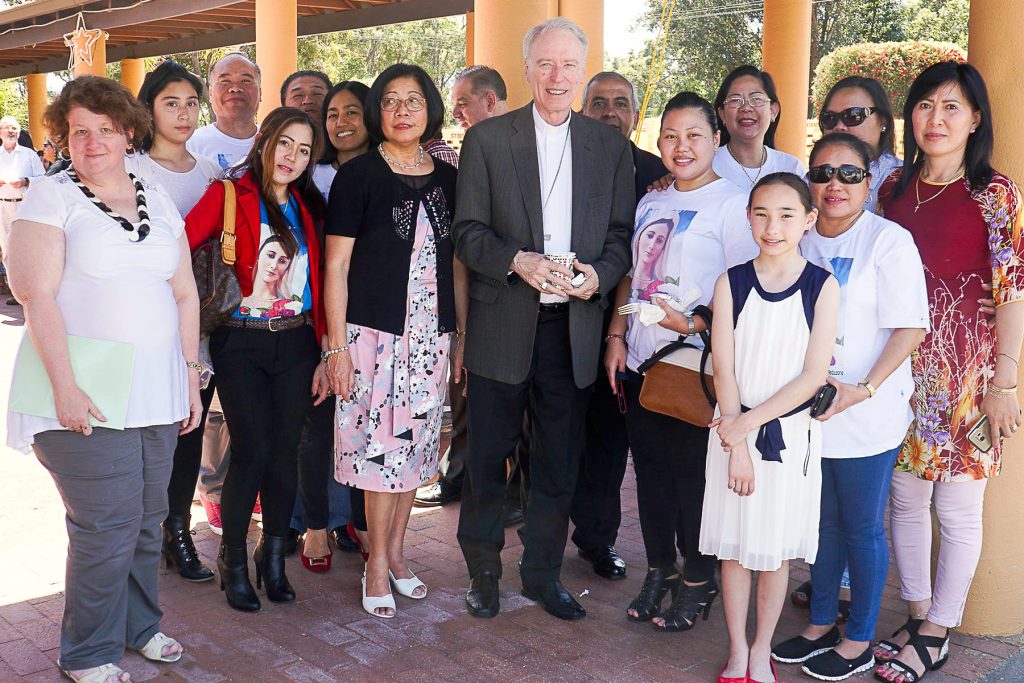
(620, 391)
(822, 400)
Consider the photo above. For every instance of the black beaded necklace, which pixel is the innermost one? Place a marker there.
(134, 234)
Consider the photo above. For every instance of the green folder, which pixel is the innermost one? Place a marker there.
(102, 369)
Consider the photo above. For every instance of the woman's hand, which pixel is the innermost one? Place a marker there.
(673, 320)
(662, 183)
(1003, 414)
(741, 471)
(458, 353)
(321, 385)
(987, 307)
(341, 374)
(732, 430)
(195, 404)
(847, 395)
(74, 408)
(615, 360)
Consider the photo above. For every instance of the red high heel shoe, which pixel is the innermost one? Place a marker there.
(355, 537)
(743, 679)
(317, 565)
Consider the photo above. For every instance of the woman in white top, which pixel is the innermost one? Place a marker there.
(883, 307)
(344, 129)
(100, 254)
(703, 221)
(171, 94)
(749, 108)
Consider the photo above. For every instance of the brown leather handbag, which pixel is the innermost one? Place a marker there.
(678, 378)
(213, 266)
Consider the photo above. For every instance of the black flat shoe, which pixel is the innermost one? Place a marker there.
(691, 601)
(658, 582)
(607, 562)
(920, 644)
(343, 540)
(556, 600)
(179, 552)
(832, 666)
(800, 649)
(482, 596)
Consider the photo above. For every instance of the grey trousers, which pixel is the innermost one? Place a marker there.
(114, 488)
(216, 452)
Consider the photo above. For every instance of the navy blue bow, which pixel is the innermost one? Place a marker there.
(769, 440)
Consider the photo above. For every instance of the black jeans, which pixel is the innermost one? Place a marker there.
(264, 380)
(188, 455)
(316, 464)
(557, 410)
(668, 458)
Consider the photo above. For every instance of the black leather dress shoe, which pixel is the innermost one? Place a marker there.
(607, 562)
(482, 596)
(436, 494)
(556, 600)
(343, 540)
(512, 514)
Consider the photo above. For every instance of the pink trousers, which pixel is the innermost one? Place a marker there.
(958, 506)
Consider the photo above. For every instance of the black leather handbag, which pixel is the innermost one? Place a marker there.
(213, 266)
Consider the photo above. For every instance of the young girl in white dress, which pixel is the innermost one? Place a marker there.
(772, 335)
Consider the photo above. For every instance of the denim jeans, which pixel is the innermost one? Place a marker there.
(853, 496)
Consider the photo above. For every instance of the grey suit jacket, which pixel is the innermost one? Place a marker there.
(498, 212)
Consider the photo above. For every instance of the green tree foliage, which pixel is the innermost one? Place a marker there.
(894, 65)
(14, 100)
(944, 20)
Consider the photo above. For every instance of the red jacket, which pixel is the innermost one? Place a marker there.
(206, 220)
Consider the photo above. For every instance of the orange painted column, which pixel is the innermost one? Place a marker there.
(99, 60)
(995, 605)
(589, 16)
(133, 72)
(470, 30)
(37, 101)
(276, 46)
(499, 28)
(786, 55)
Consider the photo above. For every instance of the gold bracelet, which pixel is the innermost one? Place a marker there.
(867, 385)
(1005, 390)
(195, 366)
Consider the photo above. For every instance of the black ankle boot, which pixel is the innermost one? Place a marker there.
(269, 558)
(180, 553)
(233, 565)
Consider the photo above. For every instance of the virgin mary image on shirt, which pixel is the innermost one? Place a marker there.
(274, 289)
(651, 251)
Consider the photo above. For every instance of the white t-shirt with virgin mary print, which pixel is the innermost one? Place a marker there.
(683, 240)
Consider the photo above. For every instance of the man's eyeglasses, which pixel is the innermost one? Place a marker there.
(393, 103)
(755, 101)
(848, 174)
(854, 116)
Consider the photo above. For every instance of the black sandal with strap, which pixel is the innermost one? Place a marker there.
(658, 582)
(910, 627)
(920, 644)
(691, 601)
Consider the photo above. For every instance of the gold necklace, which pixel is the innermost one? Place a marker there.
(764, 159)
(917, 187)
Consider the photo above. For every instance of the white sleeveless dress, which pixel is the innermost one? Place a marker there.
(779, 521)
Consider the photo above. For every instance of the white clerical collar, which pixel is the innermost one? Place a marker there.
(545, 128)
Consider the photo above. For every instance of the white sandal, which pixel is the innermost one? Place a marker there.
(154, 649)
(371, 604)
(99, 674)
(407, 587)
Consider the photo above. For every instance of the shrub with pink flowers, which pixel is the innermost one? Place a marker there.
(894, 65)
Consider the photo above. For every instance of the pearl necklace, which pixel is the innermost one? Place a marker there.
(419, 161)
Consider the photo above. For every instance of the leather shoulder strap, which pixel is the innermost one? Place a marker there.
(227, 235)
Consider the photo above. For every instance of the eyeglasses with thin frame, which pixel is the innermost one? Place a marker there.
(412, 103)
(755, 101)
(848, 174)
(852, 117)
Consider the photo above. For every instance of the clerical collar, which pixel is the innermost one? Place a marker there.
(545, 128)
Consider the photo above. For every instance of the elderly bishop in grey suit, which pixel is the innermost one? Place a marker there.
(537, 182)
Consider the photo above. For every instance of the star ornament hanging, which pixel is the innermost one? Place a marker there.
(82, 42)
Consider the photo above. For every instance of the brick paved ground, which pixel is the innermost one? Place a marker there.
(325, 635)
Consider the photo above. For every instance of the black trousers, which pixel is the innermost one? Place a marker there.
(557, 409)
(668, 457)
(596, 504)
(264, 380)
(316, 464)
(188, 455)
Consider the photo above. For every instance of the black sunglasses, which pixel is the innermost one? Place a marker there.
(854, 116)
(848, 174)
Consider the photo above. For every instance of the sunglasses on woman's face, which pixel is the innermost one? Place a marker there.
(848, 174)
(854, 116)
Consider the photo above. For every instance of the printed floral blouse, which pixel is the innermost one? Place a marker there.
(965, 239)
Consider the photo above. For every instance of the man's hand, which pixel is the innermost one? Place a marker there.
(540, 273)
(590, 285)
